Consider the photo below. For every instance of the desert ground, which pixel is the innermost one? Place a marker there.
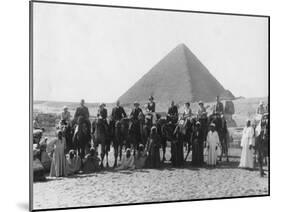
(151, 185)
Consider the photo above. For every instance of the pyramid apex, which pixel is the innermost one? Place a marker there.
(182, 45)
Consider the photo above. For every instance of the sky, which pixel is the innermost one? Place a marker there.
(98, 53)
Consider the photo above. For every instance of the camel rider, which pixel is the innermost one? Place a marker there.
(118, 112)
(65, 116)
(261, 109)
(81, 111)
(173, 114)
(202, 114)
(151, 105)
(102, 114)
(82, 115)
(218, 108)
(136, 111)
(187, 111)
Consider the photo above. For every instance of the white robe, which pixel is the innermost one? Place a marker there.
(126, 163)
(247, 155)
(212, 142)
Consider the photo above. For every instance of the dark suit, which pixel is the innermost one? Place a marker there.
(135, 113)
(173, 113)
(118, 113)
(102, 113)
(151, 107)
(219, 108)
(83, 112)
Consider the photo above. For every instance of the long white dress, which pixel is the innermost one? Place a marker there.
(247, 154)
(212, 142)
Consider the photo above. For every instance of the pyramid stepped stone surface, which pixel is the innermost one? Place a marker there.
(179, 76)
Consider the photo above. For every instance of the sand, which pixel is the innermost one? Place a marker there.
(150, 185)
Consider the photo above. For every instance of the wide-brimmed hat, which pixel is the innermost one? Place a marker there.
(200, 103)
(65, 107)
(136, 103)
(102, 104)
(212, 125)
(261, 103)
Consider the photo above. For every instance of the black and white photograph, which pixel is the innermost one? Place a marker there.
(143, 105)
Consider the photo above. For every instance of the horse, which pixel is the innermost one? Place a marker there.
(101, 135)
(119, 131)
(82, 138)
(221, 128)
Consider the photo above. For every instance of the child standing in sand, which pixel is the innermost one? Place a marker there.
(212, 145)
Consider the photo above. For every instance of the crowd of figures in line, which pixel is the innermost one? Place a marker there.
(142, 134)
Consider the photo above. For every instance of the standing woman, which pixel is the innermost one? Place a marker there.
(58, 166)
(247, 144)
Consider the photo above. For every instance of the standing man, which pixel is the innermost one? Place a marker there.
(247, 144)
(173, 114)
(218, 107)
(212, 145)
(118, 112)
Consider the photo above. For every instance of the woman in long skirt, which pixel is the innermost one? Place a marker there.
(58, 166)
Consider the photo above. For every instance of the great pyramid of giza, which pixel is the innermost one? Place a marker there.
(179, 76)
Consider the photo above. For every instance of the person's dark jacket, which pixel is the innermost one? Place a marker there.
(151, 107)
(135, 113)
(118, 113)
(102, 113)
(82, 111)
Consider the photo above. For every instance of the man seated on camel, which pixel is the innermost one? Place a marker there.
(127, 161)
(102, 114)
(81, 115)
(173, 114)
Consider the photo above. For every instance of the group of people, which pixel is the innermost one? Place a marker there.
(61, 164)
(255, 140)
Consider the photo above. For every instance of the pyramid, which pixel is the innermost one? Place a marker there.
(179, 76)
